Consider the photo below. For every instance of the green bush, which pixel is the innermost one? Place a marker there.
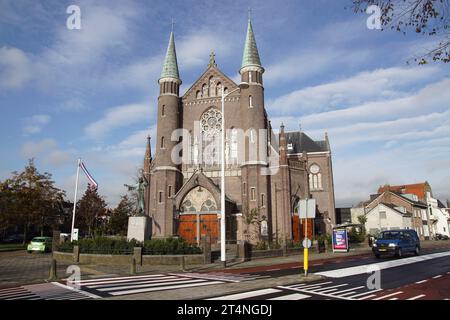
(260, 246)
(103, 245)
(355, 236)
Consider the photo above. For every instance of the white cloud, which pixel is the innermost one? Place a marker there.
(35, 123)
(15, 68)
(117, 117)
(366, 86)
(48, 151)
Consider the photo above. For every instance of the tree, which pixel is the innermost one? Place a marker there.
(90, 208)
(30, 198)
(424, 17)
(362, 219)
(119, 219)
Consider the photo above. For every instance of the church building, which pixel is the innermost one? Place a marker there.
(267, 170)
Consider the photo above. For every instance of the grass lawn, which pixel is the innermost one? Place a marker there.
(12, 246)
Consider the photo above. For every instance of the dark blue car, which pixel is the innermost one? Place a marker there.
(396, 242)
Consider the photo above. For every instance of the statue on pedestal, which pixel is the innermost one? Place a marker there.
(139, 187)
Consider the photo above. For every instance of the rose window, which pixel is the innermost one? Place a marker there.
(211, 122)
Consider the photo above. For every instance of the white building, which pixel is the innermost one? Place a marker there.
(439, 217)
(387, 217)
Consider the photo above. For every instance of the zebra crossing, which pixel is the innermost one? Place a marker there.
(119, 286)
(44, 291)
(222, 276)
(326, 290)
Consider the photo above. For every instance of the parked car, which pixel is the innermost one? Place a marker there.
(40, 244)
(396, 242)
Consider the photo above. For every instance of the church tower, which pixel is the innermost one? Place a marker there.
(255, 184)
(166, 176)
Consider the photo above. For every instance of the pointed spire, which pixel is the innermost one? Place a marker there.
(283, 146)
(148, 156)
(170, 68)
(251, 55)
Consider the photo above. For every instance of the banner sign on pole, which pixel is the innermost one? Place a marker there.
(307, 208)
(75, 234)
(340, 240)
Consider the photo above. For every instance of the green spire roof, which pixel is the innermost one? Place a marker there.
(170, 68)
(251, 55)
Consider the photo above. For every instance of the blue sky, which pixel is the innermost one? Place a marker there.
(92, 93)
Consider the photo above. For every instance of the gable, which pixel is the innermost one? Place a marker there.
(208, 88)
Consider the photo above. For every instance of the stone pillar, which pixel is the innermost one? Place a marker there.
(137, 255)
(56, 240)
(206, 247)
(76, 254)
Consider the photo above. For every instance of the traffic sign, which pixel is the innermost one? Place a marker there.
(306, 243)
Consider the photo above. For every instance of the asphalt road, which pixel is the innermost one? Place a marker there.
(426, 276)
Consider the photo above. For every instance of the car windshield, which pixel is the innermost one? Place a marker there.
(389, 235)
(38, 240)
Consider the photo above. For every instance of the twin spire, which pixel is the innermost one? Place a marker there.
(249, 59)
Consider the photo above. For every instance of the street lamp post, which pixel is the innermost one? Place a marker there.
(243, 85)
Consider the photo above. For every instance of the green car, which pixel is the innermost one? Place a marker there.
(41, 244)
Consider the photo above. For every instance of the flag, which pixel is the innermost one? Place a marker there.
(93, 183)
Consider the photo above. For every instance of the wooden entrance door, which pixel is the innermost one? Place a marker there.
(209, 226)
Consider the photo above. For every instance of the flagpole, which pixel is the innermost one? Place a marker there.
(75, 200)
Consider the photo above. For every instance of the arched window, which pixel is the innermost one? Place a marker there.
(211, 122)
(212, 87)
(162, 142)
(163, 110)
(219, 89)
(198, 95)
(250, 102)
(315, 177)
(225, 90)
(250, 79)
(234, 144)
(252, 136)
(205, 91)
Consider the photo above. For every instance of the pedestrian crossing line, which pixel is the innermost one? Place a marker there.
(293, 296)
(16, 293)
(227, 277)
(82, 292)
(115, 283)
(388, 295)
(328, 288)
(393, 299)
(422, 281)
(367, 297)
(416, 297)
(365, 293)
(301, 290)
(304, 285)
(244, 295)
(119, 278)
(437, 277)
(206, 283)
(150, 285)
(345, 294)
(350, 289)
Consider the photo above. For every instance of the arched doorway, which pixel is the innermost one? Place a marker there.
(198, 216)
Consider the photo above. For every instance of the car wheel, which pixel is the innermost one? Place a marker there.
(29, 251)
(417, 251)
(377, 256)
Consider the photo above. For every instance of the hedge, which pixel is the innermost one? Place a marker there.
(103, 245)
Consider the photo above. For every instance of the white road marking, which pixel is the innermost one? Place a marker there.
(394, 299)
(346, 272)
(294, 296)
(367, 297)
(436, 277)
(244, 295)
(389, 295)
(364, 293)
(354, 288)
(187, 281)
(422, 281)
(316, 293)
(121, 278)
(91, 295)
(326, 289)
(112, 284)
(314, 285)
(416, 297)
(118, 293)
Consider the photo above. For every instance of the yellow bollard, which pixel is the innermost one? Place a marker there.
(305, 260)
